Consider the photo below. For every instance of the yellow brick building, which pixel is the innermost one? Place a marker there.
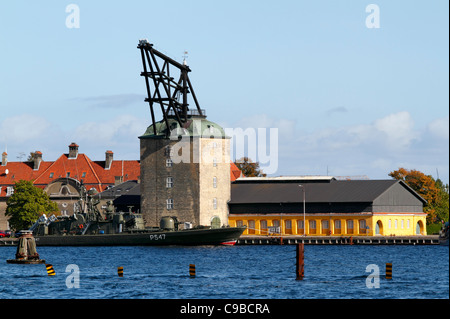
(326, 206)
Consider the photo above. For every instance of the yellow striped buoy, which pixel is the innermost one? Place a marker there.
(388, 270)
(120, 271)
(192, 270)
(50, 270)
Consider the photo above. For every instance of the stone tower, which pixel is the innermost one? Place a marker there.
(185, 172)
(185, 160)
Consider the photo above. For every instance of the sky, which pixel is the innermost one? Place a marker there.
(348, 96)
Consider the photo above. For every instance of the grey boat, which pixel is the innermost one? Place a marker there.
(91, 228)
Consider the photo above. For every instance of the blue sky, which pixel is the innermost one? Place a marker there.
(345, 98)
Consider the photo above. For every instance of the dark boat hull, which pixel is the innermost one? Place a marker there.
(217, 236)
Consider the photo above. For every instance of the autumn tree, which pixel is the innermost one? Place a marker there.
(27, 204)
(249, 168)
(433, 191)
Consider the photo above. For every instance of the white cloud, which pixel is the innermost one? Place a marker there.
(373, 149)
(120, 133)
(398, 129)
(23, 128)
(439, 128)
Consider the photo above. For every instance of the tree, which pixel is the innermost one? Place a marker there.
(249, 168)
(27, 204)
(433, 191)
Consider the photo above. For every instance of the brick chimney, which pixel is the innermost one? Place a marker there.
(37, 159)
(73, 150)
(4, 158)
(108, 159)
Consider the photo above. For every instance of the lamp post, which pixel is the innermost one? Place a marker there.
(304, 210)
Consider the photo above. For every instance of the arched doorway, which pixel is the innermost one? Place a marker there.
(379, 228)
(419, 228)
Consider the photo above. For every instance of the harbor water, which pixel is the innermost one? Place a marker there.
(237, 272)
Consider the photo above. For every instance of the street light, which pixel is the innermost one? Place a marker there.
(304, 210)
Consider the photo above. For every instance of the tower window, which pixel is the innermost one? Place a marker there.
(215, 182)
(168, 151)
(215, 203)
(169, 162)
(169, 182)
(169, 203)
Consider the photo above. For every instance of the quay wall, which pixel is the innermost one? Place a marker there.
(339, 240)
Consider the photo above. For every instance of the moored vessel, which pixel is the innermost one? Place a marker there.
(92, 228)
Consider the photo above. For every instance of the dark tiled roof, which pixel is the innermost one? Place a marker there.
(363, 191)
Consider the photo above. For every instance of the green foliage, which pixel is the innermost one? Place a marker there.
(26, 205)
(433, 191)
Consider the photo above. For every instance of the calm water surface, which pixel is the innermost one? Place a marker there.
(239, 272)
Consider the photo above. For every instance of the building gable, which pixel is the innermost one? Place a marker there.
(399, 198)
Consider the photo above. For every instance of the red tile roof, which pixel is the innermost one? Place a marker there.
(93, 173)
(235, 172)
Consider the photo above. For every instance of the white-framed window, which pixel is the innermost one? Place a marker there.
(214, 162)
(263, 224)
(325, 224)
(169, 203)
(389, 223)
(168, 151)
(9, 190)
(402, 223)
(312, 224)
(169, 162)
(337, 224)
(300, 224)
(215, 182)
(407, 224)
(362, 224)
(215, 203)
(395, 224)
(288, 224)
(350, 224)
(169, 182)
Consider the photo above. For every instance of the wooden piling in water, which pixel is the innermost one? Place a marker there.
(300, 271)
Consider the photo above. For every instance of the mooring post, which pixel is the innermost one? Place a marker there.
(388, 270)
(300, 262)
(192, 270)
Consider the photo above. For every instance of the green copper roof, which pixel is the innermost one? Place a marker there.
(195, 127)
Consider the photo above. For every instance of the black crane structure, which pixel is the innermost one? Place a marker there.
(162, 89)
